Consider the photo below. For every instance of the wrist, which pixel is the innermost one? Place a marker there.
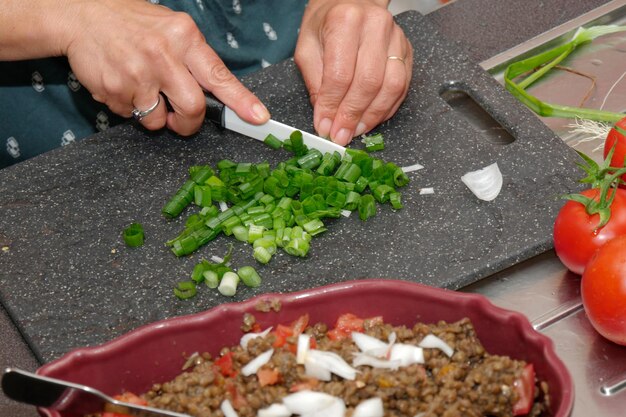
(36, 29)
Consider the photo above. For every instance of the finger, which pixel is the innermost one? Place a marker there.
(409, 68)
(394, 88)
(308, 58)
(211, 73)
(339, 61)
(368, 78)
(157, 110)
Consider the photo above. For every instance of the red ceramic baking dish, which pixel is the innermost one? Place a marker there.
(155, 352)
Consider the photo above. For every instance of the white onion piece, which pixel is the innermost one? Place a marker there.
(427, 190)
(304, 344)
(190, 361)
(256, 363)
(367, 343)
(374, 362)
(246, 338)
(406, 354)
(333, 362)
(485, 183)
(432, 341)
(217, 259)
(372, 407)
(412, 168)
(227, 409)
(223, 205)
(336, 409)
(346, 213)
(274, 410)
(307, 402)
(316, 369)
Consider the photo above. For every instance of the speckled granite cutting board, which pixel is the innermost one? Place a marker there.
(68, 281)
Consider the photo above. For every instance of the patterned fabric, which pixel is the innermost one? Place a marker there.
(43, 106)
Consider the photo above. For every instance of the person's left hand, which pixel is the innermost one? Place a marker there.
(356, 64)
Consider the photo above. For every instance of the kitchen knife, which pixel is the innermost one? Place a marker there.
(218, 113)
(68, 397)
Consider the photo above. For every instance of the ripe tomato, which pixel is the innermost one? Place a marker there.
(617, 137)
(575, 234)
(603, 290)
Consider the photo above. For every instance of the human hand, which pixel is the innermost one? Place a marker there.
(127, 52)
(356, 64)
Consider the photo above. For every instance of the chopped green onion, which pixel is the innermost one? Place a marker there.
(255, 232)
(185, 290)
(261, 254)
(249, 276)
(367, 207)
(273, 142)
(228, 284)
(202, 195)
(374, 142)
(133, 235)
(381, 193)
(240, 233)
(211, 278)
(396, 200)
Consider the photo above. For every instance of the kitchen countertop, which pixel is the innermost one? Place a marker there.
(471, 24)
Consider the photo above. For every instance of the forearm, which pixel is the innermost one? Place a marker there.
(35, 28)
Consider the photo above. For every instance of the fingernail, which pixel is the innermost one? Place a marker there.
(260, 113)
(324, 128)
(343, 137)
(360, 129)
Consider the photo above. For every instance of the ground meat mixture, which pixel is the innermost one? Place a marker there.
(470, 383)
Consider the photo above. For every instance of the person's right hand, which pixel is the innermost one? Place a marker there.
(127, 52)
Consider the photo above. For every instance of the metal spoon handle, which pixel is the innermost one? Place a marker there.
(56, 394)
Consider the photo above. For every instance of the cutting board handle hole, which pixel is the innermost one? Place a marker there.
(469, 109)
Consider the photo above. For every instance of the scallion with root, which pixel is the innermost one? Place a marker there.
(538, 65)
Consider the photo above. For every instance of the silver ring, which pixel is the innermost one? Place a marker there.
(140, 114)
(396, 58)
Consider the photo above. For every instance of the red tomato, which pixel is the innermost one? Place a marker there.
(525, 388)
(128, 397)
(283, 332)
(603, 290)
(346, 324)
(268, 376)
(225, 364)
(617, 137)
(575, 234)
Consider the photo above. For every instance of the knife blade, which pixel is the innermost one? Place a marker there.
(224, 116)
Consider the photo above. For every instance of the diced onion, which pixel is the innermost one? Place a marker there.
(432, 341)
(427, 190)
(256, 363)
(333, 362)
(307, 402)
(369, 360)
(406, 354)
(190, 361)
(223, 205)
(412, 168)
(316, 369)
(336, 409)
(367, 343)
(217, 259)
(274, 410)
(227, 409)
(304, 344)
(346, 213)
(485, 183)
(246, 338)
(372, 407)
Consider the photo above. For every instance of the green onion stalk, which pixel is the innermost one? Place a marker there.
(538, 65)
